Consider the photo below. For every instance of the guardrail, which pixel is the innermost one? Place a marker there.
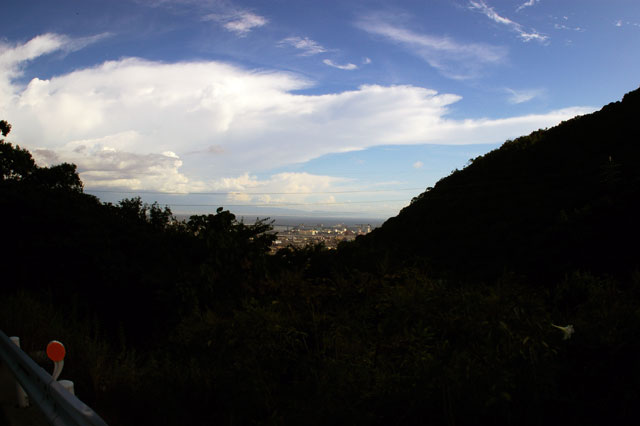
(59, 406)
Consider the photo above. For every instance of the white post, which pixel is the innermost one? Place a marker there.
(68, 385)
(57, 369)
(23, 398)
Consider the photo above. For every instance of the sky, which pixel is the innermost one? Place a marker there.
(318, 108)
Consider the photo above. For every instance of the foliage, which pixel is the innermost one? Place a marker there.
(134, 209)
(60, 177)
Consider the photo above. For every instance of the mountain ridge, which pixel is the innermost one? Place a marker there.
(557, 199)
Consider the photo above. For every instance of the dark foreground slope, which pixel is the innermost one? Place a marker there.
(556, 200)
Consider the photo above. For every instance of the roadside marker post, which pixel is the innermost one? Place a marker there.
(56, 353)
(58, 405)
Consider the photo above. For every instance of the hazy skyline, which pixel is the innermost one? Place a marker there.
(326, 107)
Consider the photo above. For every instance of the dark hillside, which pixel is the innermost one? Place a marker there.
(556, 200)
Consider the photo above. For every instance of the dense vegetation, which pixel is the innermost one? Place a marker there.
(447, 314)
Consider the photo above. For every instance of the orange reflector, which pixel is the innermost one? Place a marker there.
(55, 351)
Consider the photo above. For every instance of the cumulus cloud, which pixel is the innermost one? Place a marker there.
(306, 45)
(490, 13)
(453, 59)
(107, 163)
(110, 168)
(418, 165)
(348, 67)
(288, 183)
(303, 191)
(188, 126)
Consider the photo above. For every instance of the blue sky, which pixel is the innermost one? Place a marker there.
(283, 106)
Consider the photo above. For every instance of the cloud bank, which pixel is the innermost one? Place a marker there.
(198, 126)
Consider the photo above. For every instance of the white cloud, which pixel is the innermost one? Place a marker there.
(309, 47)
(564, 27)
(527, 4)
(188, 126)
(418, 165)
(281, 189)
(107, 168)
(240, 22)
(232, 18)
(366, 61)
(245, 22)
(453, 59)
(621, 23)
(490, 13)
(348, 67)
(106, 163)
(521, 96)
(12, 57)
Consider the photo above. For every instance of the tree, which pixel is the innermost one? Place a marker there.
(17, 165)
(235, 253)
(5, 127)
(134, 209)
(160, 218)
(62, 176)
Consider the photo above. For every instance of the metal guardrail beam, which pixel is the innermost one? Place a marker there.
(59, 407)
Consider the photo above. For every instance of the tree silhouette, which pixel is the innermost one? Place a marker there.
(5, 127)
(17, 164)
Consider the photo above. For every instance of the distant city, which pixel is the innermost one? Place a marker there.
(330, 235)
(299, 231)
